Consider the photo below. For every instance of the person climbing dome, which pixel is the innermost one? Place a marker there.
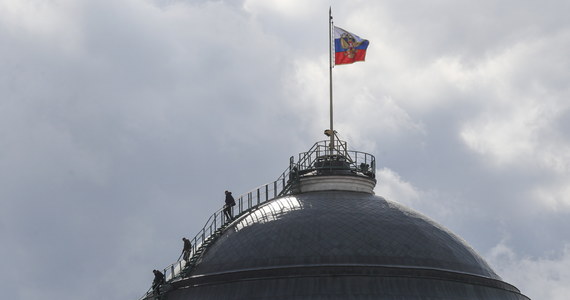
(187, 249)
(157, 282)
(230, 201)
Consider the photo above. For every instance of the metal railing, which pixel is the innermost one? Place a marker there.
(244, 203)
(318, 159)
(217, 221)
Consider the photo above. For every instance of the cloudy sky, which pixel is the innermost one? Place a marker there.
(122, 123)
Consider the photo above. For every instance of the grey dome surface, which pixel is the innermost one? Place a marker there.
(338, 228)
(331, 238)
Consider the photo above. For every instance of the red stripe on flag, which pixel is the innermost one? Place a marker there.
(342, 58)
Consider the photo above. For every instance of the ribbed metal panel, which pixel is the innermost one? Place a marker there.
(339, 228)
(339, 245)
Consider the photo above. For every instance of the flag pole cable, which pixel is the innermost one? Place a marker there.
(330, 82)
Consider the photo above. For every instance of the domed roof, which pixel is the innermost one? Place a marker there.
(333, 228)
(330, 237)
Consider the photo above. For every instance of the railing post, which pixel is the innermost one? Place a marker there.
(274, 189)
(356, 160)
(267, 192)
(257, 196)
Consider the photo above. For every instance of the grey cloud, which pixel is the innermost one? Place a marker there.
(123, 123)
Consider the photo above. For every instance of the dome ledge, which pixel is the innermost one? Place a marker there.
(337, 183)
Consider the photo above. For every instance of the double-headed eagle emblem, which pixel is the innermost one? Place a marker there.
(348, 42)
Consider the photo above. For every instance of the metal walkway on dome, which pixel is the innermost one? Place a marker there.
(320, 160)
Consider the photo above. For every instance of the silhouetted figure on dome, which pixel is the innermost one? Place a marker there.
(230, 201)
(294, 174)
(157, 282)
(187, 249)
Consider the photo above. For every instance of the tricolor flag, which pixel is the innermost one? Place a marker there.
(348, 47)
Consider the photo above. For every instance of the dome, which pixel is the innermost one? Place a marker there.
(339, 243)
(325, 235)
(339, 228)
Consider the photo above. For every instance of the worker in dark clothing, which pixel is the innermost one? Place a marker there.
(157, 282)
(187, 249)
(230, 201)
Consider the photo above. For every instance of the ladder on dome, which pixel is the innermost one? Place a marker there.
(320, 159)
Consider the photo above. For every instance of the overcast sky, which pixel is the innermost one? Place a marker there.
(122, 123)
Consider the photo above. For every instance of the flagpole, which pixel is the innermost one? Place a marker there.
(331, 145)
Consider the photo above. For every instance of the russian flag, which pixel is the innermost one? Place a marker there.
(348, 47)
